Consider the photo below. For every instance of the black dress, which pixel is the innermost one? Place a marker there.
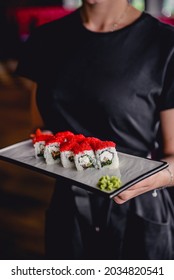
(112, 86)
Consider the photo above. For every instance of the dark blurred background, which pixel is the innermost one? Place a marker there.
(24, 194)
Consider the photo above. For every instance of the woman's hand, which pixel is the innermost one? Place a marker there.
(153, 182)
(164, 177)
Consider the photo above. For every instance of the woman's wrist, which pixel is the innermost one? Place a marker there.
(170, 176)
(167, 179)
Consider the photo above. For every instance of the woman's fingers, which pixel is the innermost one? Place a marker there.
(137, 189)
(153, 182)
(128, 194)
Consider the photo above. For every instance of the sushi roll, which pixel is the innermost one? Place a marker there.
(39, 144)
(66, 154)
(52, 151)
(84, 156)
(106, 154)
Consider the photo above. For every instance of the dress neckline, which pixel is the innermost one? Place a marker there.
(136, 21)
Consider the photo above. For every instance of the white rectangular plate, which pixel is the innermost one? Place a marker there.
(132, 169)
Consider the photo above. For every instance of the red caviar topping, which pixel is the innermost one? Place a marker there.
(67, 146)
(65, 134)
(58, 140)
(42, 137)
(104, 144)
(79, 148)
(78, 138)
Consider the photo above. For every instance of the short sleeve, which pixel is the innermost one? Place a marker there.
(31, 62)
(167, 95)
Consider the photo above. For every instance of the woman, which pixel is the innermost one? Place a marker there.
(106, 71)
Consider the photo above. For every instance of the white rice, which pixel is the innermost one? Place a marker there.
(39, 148)
(52, 153)
(67, 159)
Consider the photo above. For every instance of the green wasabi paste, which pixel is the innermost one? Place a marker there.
(109, 183)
